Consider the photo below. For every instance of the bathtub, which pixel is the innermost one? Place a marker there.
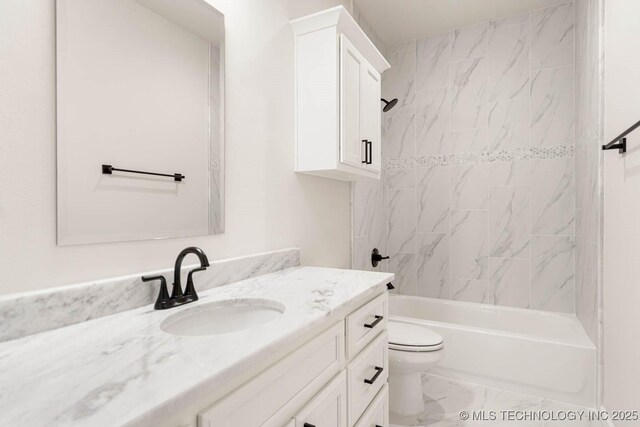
(526, 351)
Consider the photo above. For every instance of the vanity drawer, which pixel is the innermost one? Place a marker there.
(271, 398)
(377, 414)
(328, 408)
(365, 323)
(366, 375)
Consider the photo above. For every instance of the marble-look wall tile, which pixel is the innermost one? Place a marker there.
(433, 265)
(432, 122)
(592, 196)
(471, 291)
(516, 172)
(367, 198)
(589, 193)
(469, 248)
(509, 62)
(509, 221)
(466, 140)
(480, 158)
(402, 220)
(553, 273)
(469, 42)
(433, 57)
(399, 134)
(400, 179)
(509, 124)
(552, 36)
(552, 111)
(552, 197)
(468, 83)
(403, 266)
(595, 60)
(509, 21)
(399, 80)
(583, 83)
(587, 289)
(360, 253)
(469, 186)
(509, 281)
(434, 193)
(378, 235)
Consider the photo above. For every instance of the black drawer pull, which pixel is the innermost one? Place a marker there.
(374, 323)
(366, 152)
(375, 376)
(308, 425)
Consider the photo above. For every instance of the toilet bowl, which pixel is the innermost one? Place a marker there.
(412, 350)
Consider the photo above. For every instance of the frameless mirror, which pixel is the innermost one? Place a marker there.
(140, 113)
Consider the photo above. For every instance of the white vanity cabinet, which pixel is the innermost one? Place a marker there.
(319, 384)
(337, 90)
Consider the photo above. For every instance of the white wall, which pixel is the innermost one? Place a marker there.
(622, 208)
(268, 206)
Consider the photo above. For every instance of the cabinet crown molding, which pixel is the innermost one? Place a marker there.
(344, 23)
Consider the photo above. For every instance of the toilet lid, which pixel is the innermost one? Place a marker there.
(409, 337)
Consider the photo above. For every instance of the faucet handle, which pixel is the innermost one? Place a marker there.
(190, 290)
(163, 301)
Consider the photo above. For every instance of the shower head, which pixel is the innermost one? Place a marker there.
(388, 105)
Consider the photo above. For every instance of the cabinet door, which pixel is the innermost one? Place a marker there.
(377, 414)
(371, 109)
(351, 65)
(328, 408)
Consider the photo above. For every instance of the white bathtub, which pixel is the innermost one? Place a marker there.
(526, 351)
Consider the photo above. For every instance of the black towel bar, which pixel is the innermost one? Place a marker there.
(108, 170)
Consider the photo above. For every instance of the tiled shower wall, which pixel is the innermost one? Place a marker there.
(589, 195)
(477, 200)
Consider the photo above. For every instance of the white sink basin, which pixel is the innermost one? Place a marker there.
(222, 317)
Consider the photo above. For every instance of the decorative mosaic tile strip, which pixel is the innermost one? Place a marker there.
(540, 152)
(399, 163)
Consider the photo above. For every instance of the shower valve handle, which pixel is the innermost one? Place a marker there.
(376, 257)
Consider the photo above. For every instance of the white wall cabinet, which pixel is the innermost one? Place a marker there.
(338, 108)
(316, 384)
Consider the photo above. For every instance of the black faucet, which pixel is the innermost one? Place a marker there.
(177, 297)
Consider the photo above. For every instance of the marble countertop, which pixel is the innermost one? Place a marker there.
(123, 369)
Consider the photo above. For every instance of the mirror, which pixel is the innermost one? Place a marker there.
(140, 114)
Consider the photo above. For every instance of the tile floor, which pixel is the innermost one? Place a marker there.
(445, 398)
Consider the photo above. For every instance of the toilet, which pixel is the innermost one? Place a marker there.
(413, 349)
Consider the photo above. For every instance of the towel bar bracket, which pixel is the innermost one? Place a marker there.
(621, 146)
